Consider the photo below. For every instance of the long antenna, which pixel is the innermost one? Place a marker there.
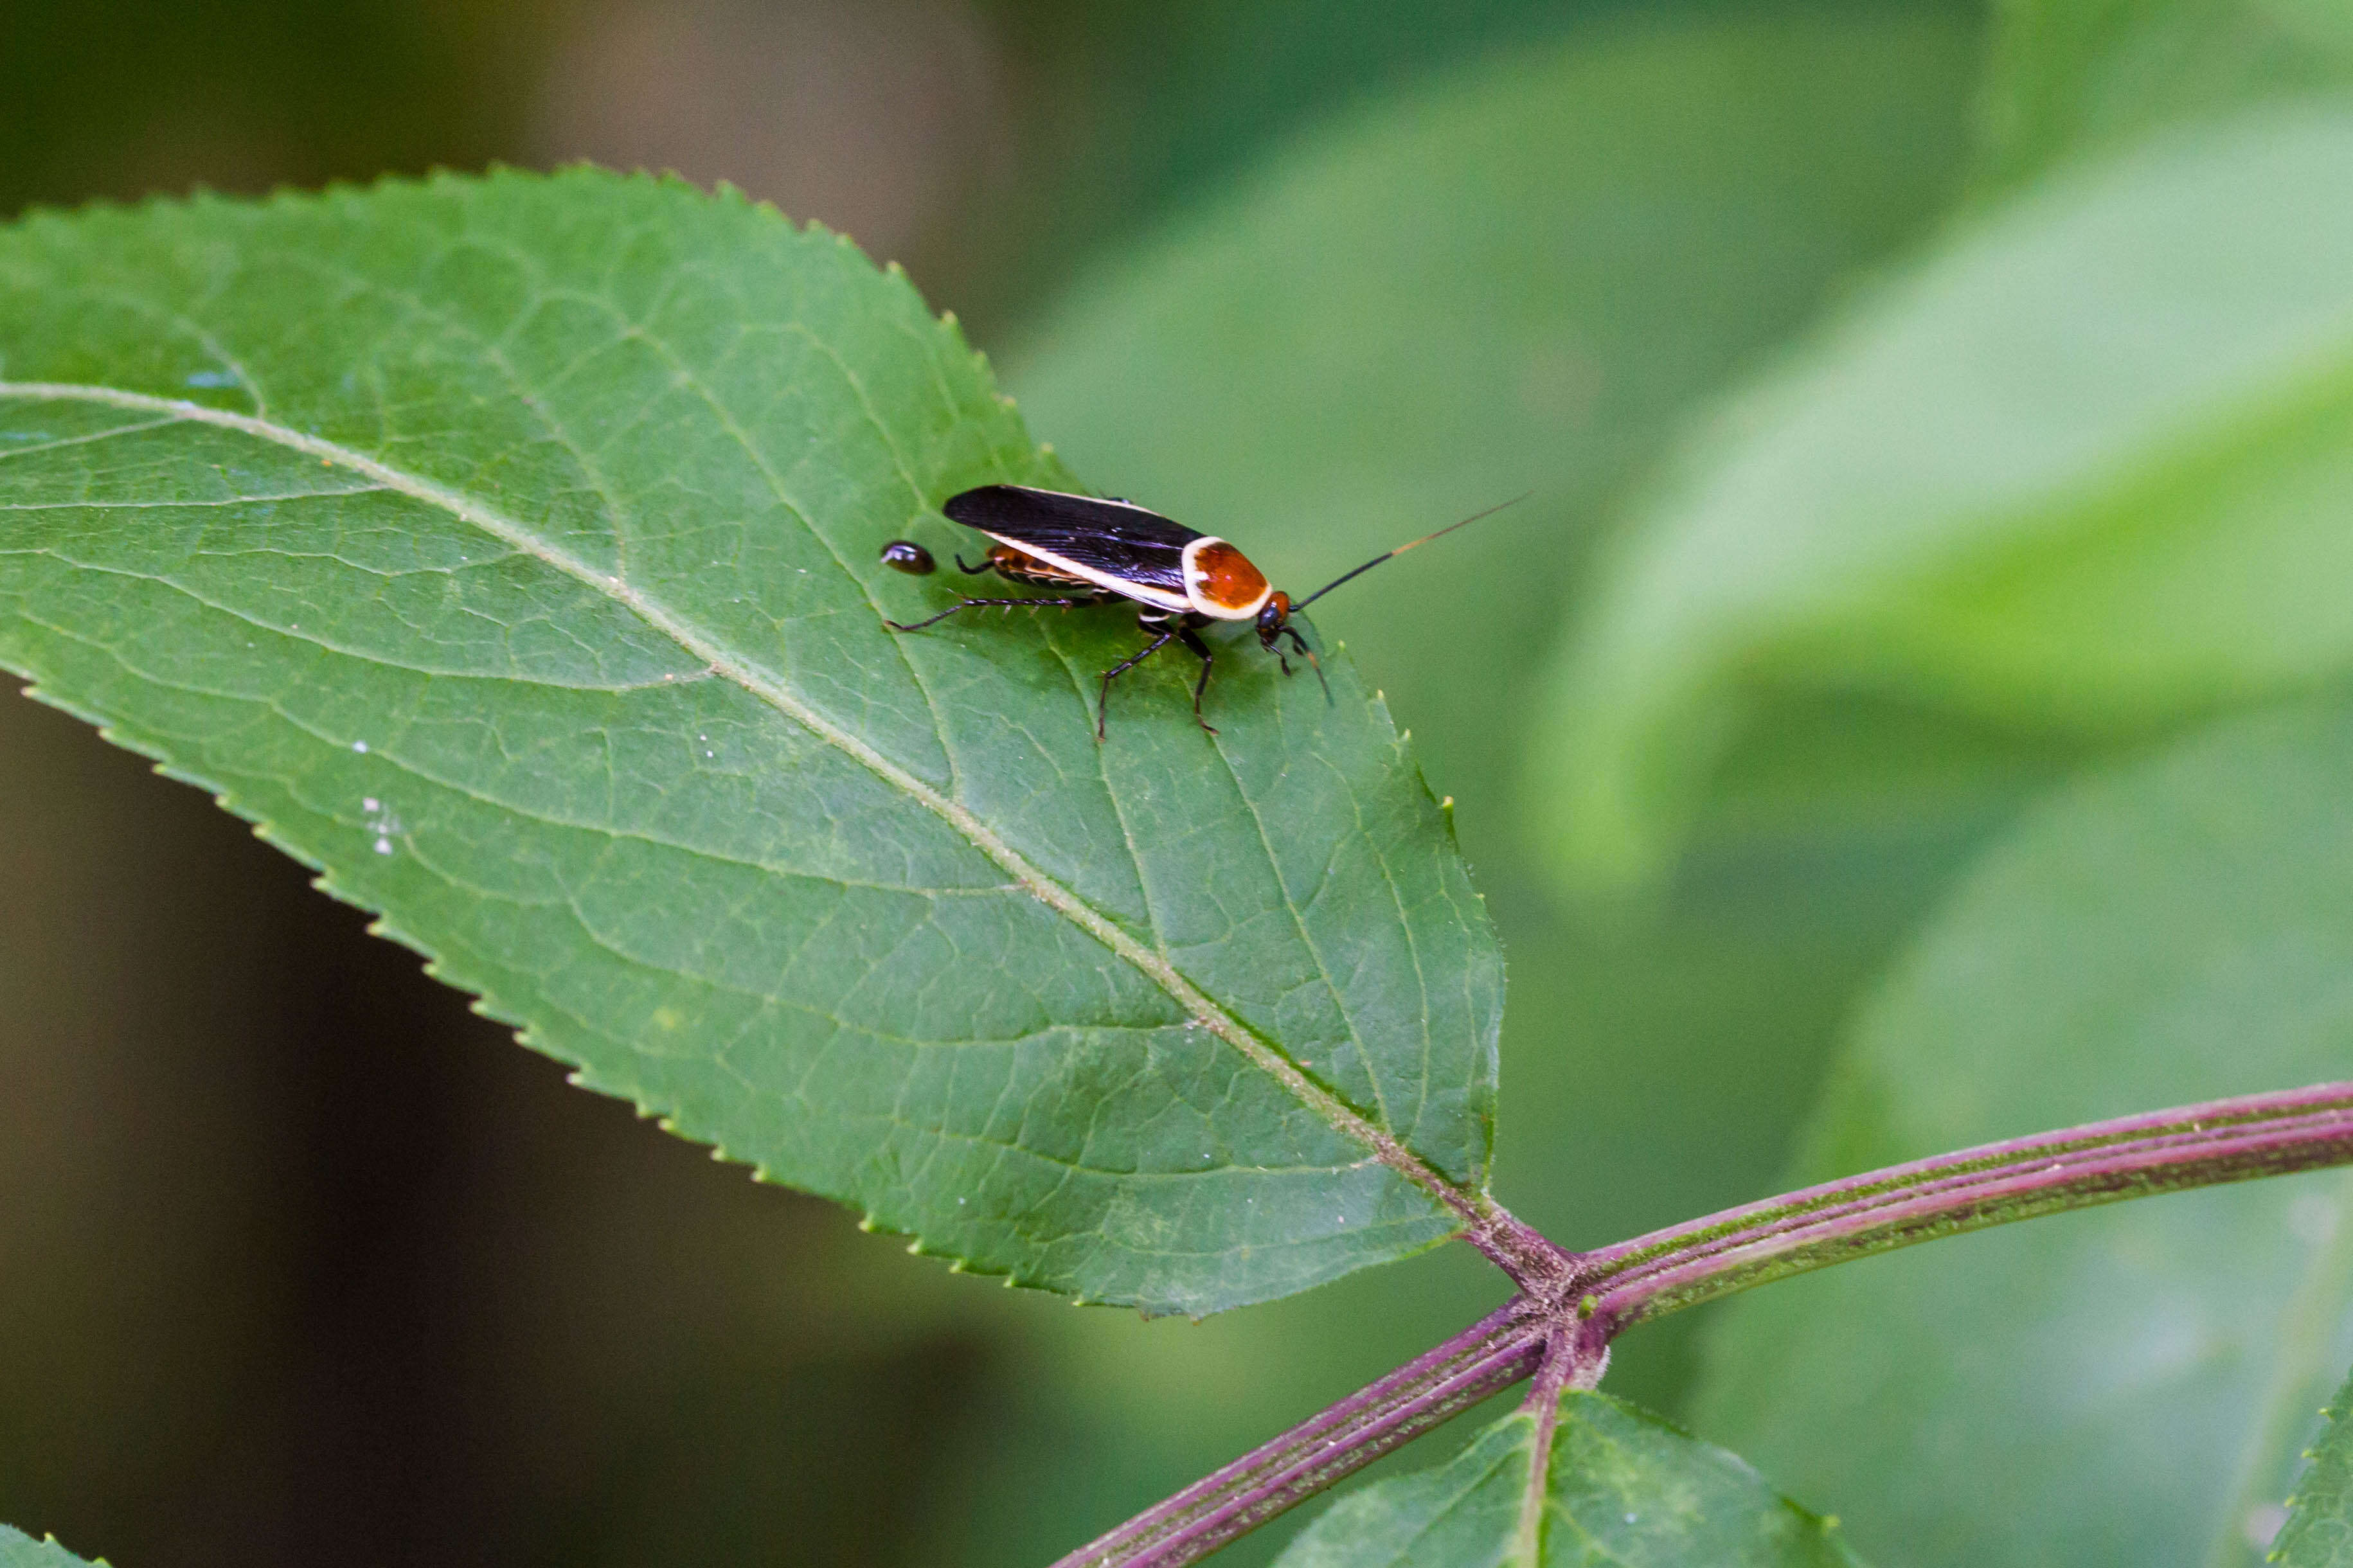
(1302, 603)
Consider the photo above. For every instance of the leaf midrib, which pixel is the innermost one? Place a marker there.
(1472, 1207)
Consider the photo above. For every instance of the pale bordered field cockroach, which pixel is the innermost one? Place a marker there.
(1106, 551)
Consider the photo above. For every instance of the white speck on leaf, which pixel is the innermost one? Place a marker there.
(2263, 1525)
(359, 746)
(382, 823)
(367, 803)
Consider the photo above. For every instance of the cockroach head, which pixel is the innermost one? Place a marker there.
(1273, 617)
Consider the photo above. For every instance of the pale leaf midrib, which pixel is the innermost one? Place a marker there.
(1471, 1206)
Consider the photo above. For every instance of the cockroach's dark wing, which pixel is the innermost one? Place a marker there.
(1106, 539)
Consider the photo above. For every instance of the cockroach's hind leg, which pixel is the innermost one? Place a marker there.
(1192, 643)
(919, 626)
(977, 604)
(1103, 697)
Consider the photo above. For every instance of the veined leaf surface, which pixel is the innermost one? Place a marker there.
(506, 549)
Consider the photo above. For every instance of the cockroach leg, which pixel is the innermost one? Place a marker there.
(1192, 640)
(1009, 603)
(1167, 633)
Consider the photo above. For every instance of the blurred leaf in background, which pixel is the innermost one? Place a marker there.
(2081, 472)
(2074, 77)
(122, 98)
(2072, 481)
(2128, 1385)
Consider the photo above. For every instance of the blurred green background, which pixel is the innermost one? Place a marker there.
(302, 1262)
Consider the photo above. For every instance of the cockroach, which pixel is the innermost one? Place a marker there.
(1104, 551)
(906, 555)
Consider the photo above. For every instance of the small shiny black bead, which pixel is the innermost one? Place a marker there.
(908, 557)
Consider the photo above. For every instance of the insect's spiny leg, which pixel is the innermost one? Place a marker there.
(1192, 640)
(1007, 603)
(919, 626)
(1102, 699)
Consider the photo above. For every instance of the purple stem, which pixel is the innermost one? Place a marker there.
(1490, 1355)
(2133, 1156)
(1588, 1297)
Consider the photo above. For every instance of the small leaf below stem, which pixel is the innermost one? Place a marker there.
(1624, 1488)
(2319, 1529)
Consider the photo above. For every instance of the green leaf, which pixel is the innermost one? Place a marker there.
(2319, 1529)
(2087, 469)
(2127, 1385)
(506, 549)
(1624, 1489)
(18, 1550)
(2077, 76)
